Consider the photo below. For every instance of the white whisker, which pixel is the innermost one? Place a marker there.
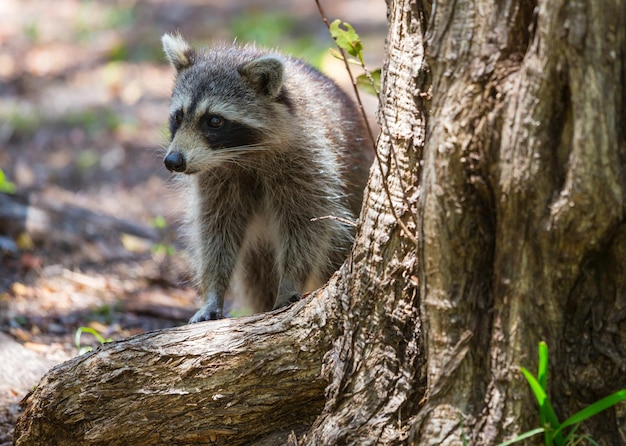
(246, 148)
(241, 155)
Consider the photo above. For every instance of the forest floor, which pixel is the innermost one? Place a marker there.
(88, 235)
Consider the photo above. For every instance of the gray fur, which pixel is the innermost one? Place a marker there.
(268, 144)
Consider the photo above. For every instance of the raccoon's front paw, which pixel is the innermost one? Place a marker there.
(295, 297)
(206, 314)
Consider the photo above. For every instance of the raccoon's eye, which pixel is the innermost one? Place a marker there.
(215, 121)
(176, 120)
(178, 116)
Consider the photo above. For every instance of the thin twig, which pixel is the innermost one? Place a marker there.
(379, 161)
(333, 217)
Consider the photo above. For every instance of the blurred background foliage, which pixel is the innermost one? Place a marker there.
(94, 70)
(84, 103)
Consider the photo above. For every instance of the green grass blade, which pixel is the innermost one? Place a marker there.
(463, 436)
(542, 367)
(538, 391)
(589, 440)
(594, 409)
(546, 411)
(91, 331)
(77, 335)
(94, 332)
(523, 436)
(542, 377)
(571, 437)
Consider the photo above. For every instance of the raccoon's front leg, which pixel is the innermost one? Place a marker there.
(301, 255)
(212, 309)
(216, 255)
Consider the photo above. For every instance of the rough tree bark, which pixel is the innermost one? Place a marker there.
(491, 223)
(522, 212)
(228, 382)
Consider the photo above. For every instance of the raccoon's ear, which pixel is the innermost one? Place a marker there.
(180, 54)
(264, 74)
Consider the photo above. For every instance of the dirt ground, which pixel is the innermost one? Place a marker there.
(88, 236)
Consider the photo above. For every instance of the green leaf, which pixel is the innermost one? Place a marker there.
(159, 222)
(594, 409)
(6, 185)
(542, 376)
(365, 84)
(337, 55)
(546, 411)
(523, 436)
(542, 368)
(346, 38)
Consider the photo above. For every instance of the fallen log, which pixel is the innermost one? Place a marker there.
(251, 380)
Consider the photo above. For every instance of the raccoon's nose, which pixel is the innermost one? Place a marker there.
(175, 161)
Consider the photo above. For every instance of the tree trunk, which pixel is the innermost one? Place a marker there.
(522, 211)
(492, 222)
(376, 365)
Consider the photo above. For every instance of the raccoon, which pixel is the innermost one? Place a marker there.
(269, 145)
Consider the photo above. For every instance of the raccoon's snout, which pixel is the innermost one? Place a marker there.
(175, 162)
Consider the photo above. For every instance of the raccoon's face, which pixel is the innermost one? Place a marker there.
(225, 105)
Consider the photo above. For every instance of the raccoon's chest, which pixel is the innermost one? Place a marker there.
(261, 231)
